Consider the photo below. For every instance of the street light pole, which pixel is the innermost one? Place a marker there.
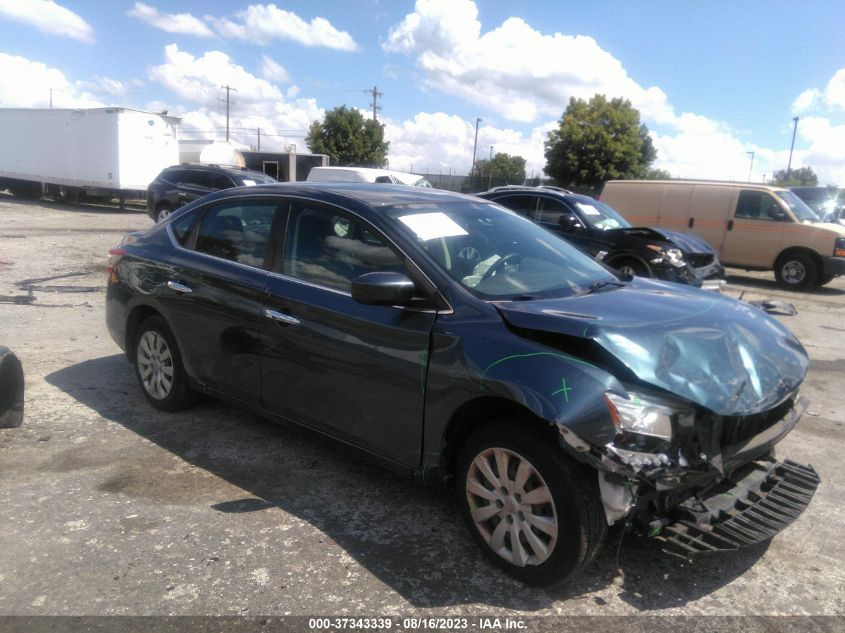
(752, 165)
(474, 146)
(792, 147)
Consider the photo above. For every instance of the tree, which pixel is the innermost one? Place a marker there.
(653, 173)
(348, 138)
(502, 167)
(803, 176)
(598, 141)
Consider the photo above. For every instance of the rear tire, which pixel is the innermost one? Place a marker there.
(11, 389)
(796, 271)
(159, 368)
(541, 518)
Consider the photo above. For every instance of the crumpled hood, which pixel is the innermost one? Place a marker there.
(719, 353)
(687, 242)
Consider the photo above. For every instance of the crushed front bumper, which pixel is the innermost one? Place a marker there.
(764, 498)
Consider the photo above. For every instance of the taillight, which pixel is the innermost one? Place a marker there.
(115, 255)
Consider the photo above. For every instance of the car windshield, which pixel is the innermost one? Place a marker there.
(799, 209)
(598, 215)
(497, 254)
(246, 180)
(823, 200)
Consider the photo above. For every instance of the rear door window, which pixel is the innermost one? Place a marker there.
(524, 205)
(238, 232)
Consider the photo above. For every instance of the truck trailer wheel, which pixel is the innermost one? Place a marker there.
(11, 390)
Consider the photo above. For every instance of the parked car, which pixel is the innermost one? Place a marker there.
(751, 226)
(827, 202)
(180, 184)
(597, 228)
(462, 343)
(366, 174)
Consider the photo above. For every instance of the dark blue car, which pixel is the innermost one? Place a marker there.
(457, 342)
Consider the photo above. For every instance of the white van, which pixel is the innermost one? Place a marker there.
(365, 174)
(751, 226)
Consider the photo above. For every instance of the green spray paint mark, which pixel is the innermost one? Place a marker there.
(564, 390)
(531, 355)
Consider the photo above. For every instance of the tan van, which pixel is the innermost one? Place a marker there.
(755, 227)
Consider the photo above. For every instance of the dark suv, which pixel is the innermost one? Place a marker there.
(595, 228)
(180, 184)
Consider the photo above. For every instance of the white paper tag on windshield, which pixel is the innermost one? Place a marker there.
(429, 226)
(248, 183)
(587, 209)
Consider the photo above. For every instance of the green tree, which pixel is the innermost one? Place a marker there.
(596, 141)
(502, 167)
(348, 138)
(802, 176)
(653, 173)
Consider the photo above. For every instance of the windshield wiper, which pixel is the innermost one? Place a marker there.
(525, 298)
(598, 285)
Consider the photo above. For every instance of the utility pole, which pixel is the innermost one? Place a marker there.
(752, 165)
(792, 147)
(51, 98)
(375, 94)
(259, 139)
(474, 147)
(228, 89)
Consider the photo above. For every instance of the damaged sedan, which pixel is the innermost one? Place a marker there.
(464, 345)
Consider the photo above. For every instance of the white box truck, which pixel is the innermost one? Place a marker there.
(101, 151)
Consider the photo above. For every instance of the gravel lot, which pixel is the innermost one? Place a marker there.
(110, 507)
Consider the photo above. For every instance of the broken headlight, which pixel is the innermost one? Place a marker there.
(646, 420)
(671, 256)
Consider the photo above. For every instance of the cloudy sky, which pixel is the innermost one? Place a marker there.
(713, 80)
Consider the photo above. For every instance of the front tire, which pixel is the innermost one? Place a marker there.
(534, 512)
(163, 211)
(796, 271)
(631, 267)
(159, 368)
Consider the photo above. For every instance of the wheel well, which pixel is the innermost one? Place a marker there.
(804, 251)
(136, 317)
(623, 256)
(475, 414)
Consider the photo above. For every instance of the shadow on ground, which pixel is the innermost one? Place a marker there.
(83, 206)
(770, 285)
(410, 538)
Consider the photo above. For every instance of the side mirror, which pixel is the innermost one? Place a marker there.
(569, 223)
(383, 289)
(778, 214)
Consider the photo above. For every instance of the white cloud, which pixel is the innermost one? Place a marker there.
(806, 100)
(200, 79)
(48, 17)
(26, 84)
(273, 70)
(260, 24)
(183, 23)
(441, 143)
(283, 118)
(530, 73)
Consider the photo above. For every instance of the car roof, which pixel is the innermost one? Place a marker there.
(373, 194)
(229, 169)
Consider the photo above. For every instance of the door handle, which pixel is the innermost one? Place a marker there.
(181, 288)
(280, 317)
(730, 225)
